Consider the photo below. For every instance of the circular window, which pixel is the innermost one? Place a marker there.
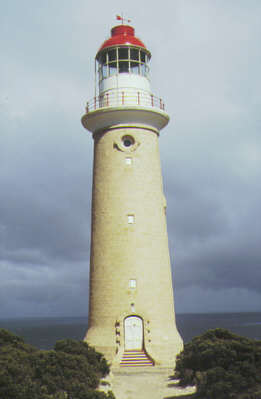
(128, 141)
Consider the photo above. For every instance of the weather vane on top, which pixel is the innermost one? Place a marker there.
(122, 19)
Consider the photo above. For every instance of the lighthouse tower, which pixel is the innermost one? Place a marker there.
(131, 308)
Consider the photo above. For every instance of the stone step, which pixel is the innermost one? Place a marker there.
(135, 358)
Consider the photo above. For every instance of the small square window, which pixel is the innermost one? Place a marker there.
(131, 219)
(128, 161)
(132, 283)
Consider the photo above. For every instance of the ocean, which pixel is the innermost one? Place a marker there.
(44, 332)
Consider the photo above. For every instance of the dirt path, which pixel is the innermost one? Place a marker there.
(145, 384)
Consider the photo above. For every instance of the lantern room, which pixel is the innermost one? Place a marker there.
(123, 56)
(123, 59)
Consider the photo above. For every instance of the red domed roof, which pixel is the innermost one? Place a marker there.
(122, 35)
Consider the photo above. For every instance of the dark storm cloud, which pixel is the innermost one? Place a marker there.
(43, 226)
(37, 199)
(56, 294)
(214, 227)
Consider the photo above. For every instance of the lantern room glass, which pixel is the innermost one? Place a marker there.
(123, 60)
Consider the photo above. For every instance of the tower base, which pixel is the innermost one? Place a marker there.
(150, 355)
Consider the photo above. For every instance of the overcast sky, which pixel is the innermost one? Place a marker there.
(206, 62)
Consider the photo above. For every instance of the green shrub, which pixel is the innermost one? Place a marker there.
(222, 365)
(95, 359)
(71, 371)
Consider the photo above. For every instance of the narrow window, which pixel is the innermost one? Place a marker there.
(113, 68)
(123, 53)
(123, 66)
(128, 161)
(102, 59)
(100, 72)
(104, 71)
(131, 219)
(134, 67)
(112, 55)
(134, 55)
(132, 283)
(142, 56)
(143, 69)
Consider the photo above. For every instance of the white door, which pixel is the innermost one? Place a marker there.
(133, 328)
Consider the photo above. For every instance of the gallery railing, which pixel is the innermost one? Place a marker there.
(118, 98)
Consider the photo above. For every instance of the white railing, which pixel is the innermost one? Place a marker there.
(118, 98)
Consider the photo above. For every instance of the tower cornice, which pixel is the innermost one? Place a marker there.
(104, 118)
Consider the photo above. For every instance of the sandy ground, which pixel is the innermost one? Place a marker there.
(145, 383)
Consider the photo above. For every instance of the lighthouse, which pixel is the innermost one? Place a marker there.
(131, 306)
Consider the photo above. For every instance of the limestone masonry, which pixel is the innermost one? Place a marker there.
(131, 307)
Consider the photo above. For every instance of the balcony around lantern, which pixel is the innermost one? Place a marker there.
(125, 107)
(118, 98)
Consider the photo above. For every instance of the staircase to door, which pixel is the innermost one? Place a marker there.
(134, 354)
(135, 358)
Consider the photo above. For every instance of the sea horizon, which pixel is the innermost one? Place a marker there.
(44, 331)
(83, 316)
